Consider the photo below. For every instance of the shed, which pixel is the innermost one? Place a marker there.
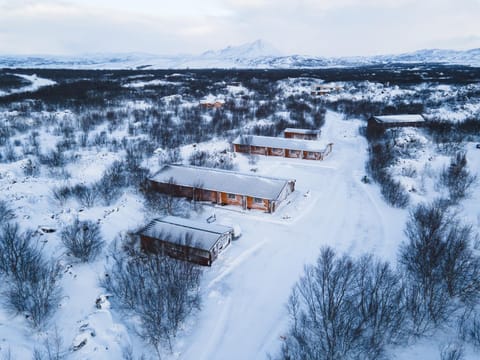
(185, 239)
(390, 121)
(222, 187)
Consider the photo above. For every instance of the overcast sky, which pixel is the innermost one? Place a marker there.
(311, 27)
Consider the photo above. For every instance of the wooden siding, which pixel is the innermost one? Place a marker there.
(252, 204)
(181, 252)
(294, 135)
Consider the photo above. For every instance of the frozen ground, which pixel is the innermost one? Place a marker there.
(244, 293)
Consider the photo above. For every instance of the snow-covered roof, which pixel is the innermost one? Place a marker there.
(302, 131)
(176, 230)
(399, 118)
(222, 180)
(279, 143)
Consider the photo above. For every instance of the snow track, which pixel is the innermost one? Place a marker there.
(244, 311)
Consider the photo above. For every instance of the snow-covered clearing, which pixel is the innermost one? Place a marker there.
(244, 293)
(246, 290)
(36, 83)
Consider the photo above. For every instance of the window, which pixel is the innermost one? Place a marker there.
(231, 196)
(258, 200)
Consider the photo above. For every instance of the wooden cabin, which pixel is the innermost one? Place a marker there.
(184, 239)
(324, 89)
(212, 105)
(390, 121)
(222, 187)
(302, 134)
(274, 146)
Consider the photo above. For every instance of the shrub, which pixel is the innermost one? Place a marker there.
(159, 290)
(83, 239)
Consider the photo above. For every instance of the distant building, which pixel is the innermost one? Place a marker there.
(274, 146)
(184, 239)
(324, 89)
(212, 105)
(302, 134)
(390, 121)
(222, 187)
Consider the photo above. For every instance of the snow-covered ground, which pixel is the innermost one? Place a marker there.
(36, 83)
(244, 293)
(246, 290)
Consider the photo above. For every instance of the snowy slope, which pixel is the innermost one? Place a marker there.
(258, 54)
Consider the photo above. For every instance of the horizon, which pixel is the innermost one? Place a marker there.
(126, 53)
(342, 28)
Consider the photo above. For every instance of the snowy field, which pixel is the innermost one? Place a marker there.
(244, 293)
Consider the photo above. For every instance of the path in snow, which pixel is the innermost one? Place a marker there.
(245, 292)
(36, 83)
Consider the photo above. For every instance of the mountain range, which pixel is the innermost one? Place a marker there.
(258, 54)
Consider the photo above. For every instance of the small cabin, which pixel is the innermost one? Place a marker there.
(275, 146)
(222, 187)
(390, 121)
(302, 134)
(184, 239)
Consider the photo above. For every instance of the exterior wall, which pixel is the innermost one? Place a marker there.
(252, 204)
(294, 135)
(312, 155)
(241, 148)
(258, 150)
(181, 252)
(225, 200)
(276, 152)
(297, 154)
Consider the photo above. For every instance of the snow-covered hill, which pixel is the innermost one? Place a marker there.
(258, 54)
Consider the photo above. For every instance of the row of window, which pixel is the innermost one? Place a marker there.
(255, 200)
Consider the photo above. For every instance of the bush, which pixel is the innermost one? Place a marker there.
(86, 195)
(438, 260)
(32, 281)
(83, 239)
(160, 290)
(343, 309)
(457, 179)
(110, 185)
(6, 213)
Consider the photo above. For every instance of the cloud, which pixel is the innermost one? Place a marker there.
(316, 27)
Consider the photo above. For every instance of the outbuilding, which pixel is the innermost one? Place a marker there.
(390, 121)
(185, 239)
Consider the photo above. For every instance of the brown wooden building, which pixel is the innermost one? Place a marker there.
(302, 134)
(184, 239)
(274, 146)
(222, 187)
(390, 121)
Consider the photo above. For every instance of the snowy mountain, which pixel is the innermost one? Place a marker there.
(258, 54)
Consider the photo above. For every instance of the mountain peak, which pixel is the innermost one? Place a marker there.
(255, 49)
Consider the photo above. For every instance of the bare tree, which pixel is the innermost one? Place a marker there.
(32, 280)
(6, 213)
(457, 178)
(343, 309)
(439, 265)
(83, 239)
(160, 290)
